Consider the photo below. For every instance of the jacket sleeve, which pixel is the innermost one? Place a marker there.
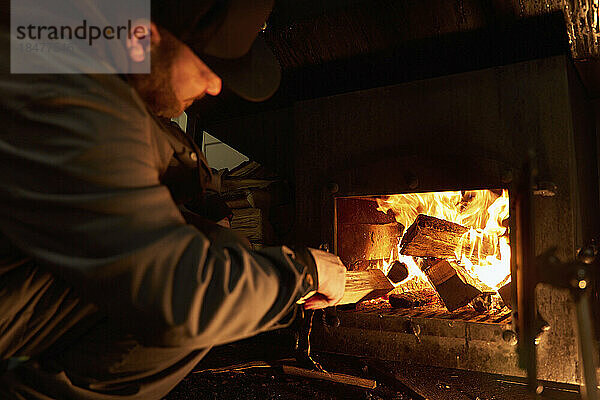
(80, 191)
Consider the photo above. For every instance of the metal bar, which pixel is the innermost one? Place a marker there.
(526, 274)
(587, 349)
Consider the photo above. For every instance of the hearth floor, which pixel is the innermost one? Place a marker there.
(395, 380)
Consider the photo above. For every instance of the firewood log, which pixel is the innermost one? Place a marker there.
(433, 237)
(412, 299)
(365, 285)
(483, 303)
(363, 242)
(252, 224)
(455, 287)
(354, 210)
(398, 272)
(364, 234)
(506, 293)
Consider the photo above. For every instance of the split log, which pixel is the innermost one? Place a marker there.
(412, 299)
(248, 199)
(252, 224)
(483, 302)
(365, 285)
(426, 263)
(363, 242)
(506, 293)
(433, 237)
(354, 210)
(455, 287)
(231, 185)
(364, 233)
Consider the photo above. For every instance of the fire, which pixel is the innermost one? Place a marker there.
(483, 212)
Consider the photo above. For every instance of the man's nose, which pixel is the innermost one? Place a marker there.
(214, 85)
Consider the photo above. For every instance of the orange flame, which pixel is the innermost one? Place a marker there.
(484, 212)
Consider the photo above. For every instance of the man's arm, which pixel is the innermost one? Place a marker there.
(79, 191)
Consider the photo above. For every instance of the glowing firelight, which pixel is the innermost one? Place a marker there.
(484, 212)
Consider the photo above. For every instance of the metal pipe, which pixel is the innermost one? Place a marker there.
(587, 348)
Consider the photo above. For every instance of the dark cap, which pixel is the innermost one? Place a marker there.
(223, 33)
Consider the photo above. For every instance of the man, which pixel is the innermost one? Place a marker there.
(106, 291)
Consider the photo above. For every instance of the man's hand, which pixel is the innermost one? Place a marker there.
(332, 280)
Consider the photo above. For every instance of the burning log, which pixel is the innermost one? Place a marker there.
(506, 293)
(434, 237)
(398, 272)
(365, 235)
(365, 285)
(363, 242)
(361, 211)
(483, 303)
(412, 299)
(453, 284)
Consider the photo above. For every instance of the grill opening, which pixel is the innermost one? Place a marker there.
(447, 253)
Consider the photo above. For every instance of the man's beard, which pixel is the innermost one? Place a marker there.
(155, 88)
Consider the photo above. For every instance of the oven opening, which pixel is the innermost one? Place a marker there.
(447, 253)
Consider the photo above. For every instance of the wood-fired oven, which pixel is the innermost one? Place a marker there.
(498, 115)
(369, 162)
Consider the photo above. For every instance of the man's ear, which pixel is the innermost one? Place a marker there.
(143, 35)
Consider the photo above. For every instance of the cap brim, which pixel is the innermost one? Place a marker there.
(254, 77)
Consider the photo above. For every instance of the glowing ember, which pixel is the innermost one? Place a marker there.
(484, 212)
